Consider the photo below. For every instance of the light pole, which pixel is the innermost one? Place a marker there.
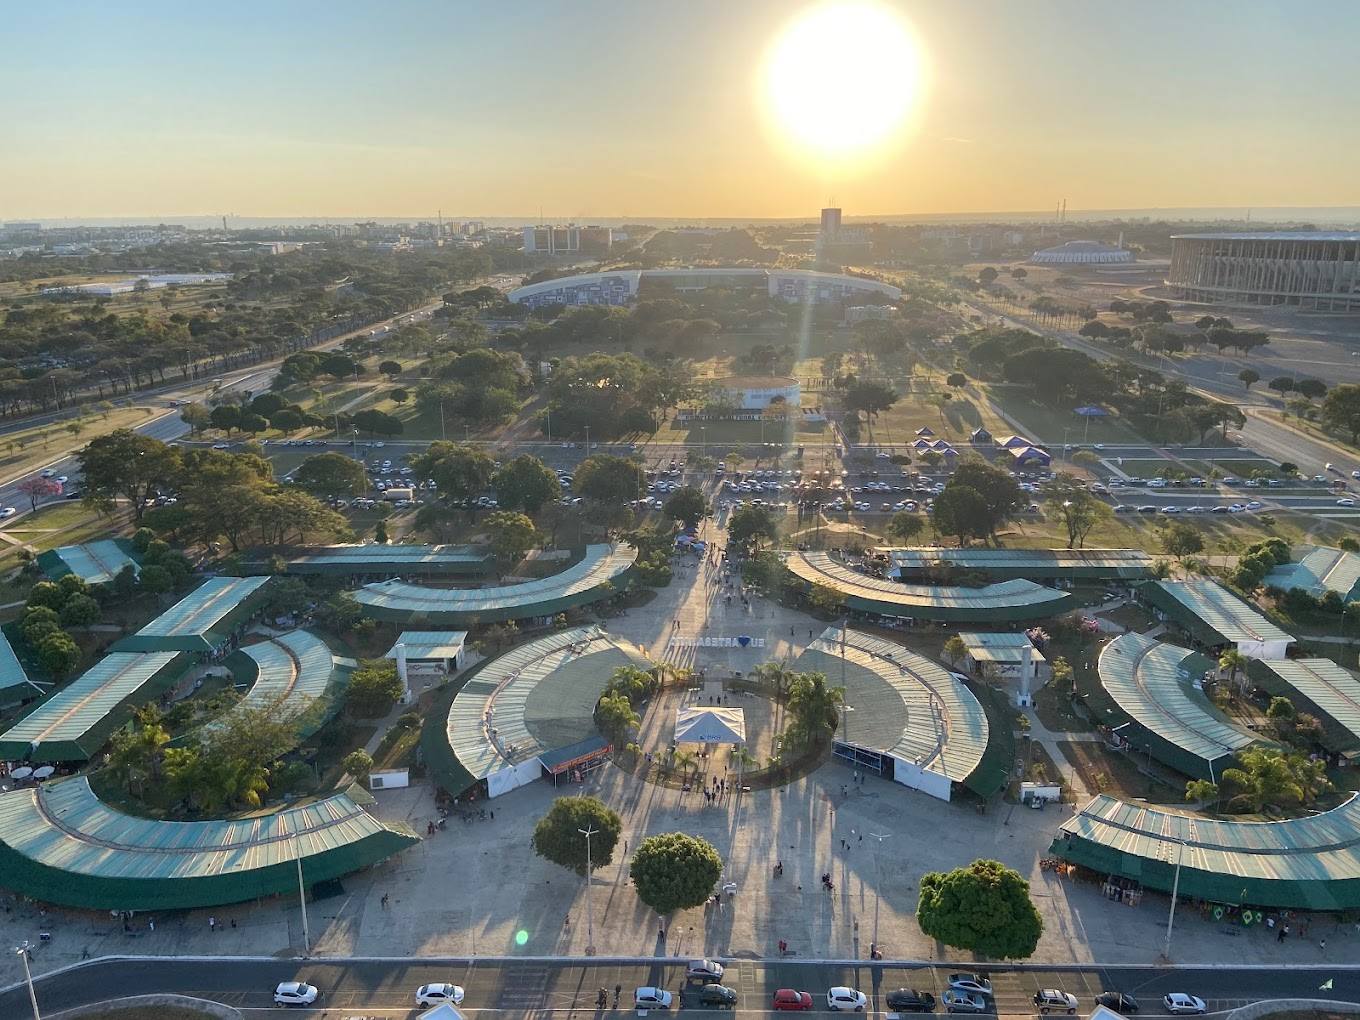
(590, 912)
(587, 440)
(1175, 889)
(23, 950)
(443, 430)
(878, 874)
(302, 899)
(703, 440)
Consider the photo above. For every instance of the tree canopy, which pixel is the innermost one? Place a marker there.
(332, 474)
(526, 483)
(558, 834)
(675, 871)
(982, 908)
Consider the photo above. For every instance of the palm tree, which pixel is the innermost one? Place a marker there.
(776, 674)
(815, 706)
(684, 760)
(1232, 660)
(1264, 778)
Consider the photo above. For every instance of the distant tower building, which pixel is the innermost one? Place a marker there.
(831, 225)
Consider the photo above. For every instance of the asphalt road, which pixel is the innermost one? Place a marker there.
(524, 986)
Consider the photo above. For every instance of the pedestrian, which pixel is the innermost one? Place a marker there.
(491, 815)
(1322, 944)
(212, 924)
(625, 846)
(567, 923)
(856, 777)
(861, 837)
(1284, 930)
(661, 933)
(384, 901)
(151, 924)
(233, 922)
(790, 632)
(85, 952)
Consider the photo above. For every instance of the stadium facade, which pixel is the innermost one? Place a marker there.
(620, 287)
(1310, 269)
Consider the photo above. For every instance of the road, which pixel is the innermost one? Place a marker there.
(523, 987)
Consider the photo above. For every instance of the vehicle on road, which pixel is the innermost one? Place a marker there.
(970, 982)
(50, 472)
(956, 1001)
(1182, 1002)
(718, 995)
(651, 998)
(9, 511)
(1345, 502)
(295, 993)
(703, 970)
(433, 995)
(1118, 1001)
(221, 446)
(1050, 999)
(910, 1000)
(840, 997)
(792, 1000)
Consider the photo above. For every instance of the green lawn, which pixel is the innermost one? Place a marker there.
(720, 436)
(1047, 424)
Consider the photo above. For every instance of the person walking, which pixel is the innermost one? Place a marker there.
(1322, 944)
(212, 924)
(1284, 930)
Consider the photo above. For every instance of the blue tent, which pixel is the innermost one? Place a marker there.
(925, 431)
(1091, 411)
(980, 436)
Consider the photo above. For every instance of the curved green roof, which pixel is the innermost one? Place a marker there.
(94, 562)
(1308, 863)
(202, 619)
(578, 585)
(1006, 601)
(61, 844)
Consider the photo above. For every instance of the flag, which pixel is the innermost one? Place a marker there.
(1326, 986)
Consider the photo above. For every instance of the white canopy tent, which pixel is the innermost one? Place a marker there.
(710, 725)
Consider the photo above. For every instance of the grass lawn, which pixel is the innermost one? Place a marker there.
(720, 436)
(1147, 467)
(1121, 774)
(1055, 712)
(63, 524)
(1242, 467)
(21, 452)
(1047, 424)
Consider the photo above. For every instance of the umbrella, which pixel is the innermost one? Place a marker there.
(22, 772)
(44, 772)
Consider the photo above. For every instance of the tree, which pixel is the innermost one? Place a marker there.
(1280, 710)
(559, 835)
(155, 580)
(824, 598)
(609, 480)
(225, 417)
(80, 611)
(961, 511)
(400, 396)
(1341, 410)
(1282, 384)
(905, 525)
(357, 763)
(462, 472)
(954, 649)
(987, 276)
(998, 489)
(373, 689)
(526, 483)
(1232, 661)
(252, 422)
(1019, 273)
(1264, 777)
(1067, 499)
(196, 416)
(58, 655)
(392, 369)
(287, 420)
(675, 871)
(1201, 790)
(687, 505)
(815, 707)
(1249, 377)
(1181, 540)
(38, 488)
(1310, 388)
(957, 380)
(983, 908)
(332, 474)
(512, 534)
(749, 525)
(129, 465)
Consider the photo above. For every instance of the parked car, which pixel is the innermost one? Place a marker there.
(968, 982)
(1181, 1002)
(433, 995)
(910, 1000)
(840, 997)
(651, 998)
(295, 993)
(1117, 1001)
(792, 1000)
(718, 995)
(956, 1001)
(1050, 999)
(703, 970)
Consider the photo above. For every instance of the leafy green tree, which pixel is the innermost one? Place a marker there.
(616, 717)
(252, 422)
(1263, 777)
(1201, 790)
(1348, 544)
(196, 416)
(1282, 384)
(825, 598)
(1281, 710)
(905, 525)
(155, 580)
(1181, 540)
(58, 655)
(125, 464)
(47, 594)
(380, 534)
(815, 707)
(462, 472)
(36, 622)
(675, 871)
(357, 763)
(983, 908)
(391, 369)
(1310, 388)
(608, 479)
(1249, 377)
(1341, 410)
(749, 526)
(1067, 499)
(987, 276)
(373, 689)
(957, 380)
(961, 511)
(1233, 662)
(512, 534)
(559, 835)
(526, 483)
(999, 491)
(955, 649)
(80, 611)
(332, 474)
(225, 417)
(400, 396)
(687, 505)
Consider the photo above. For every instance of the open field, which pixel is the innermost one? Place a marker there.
(1054, 426)
(1119, 773)
(32, 448)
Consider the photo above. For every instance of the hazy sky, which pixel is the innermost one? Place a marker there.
(615, 108)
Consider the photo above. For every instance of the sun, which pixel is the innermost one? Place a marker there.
(843, 79)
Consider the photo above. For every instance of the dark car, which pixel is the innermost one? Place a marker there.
(909, 1000)
(1117, 1001)
(717, 995)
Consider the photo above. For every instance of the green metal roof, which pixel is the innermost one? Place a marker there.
(1319, 571)
(74, 723)
(1006, 601)
(61, 844)
(202, 619)
(1325, 690)
(1000, 647)
(1308, 863)
(1153, 683)
(94, 562)
(903, 704)
(430, 644)
(577, 585)
(14, 683)
(298, 671)
(1124, 564)
(1209, 609)
(534, 698)
(393, 559)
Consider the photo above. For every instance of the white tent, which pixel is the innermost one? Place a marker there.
(704, 725)
(444, 1011)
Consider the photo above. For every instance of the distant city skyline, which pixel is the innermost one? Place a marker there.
(602, 111)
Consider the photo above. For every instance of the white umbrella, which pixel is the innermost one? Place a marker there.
(22, 772)
(44, 772)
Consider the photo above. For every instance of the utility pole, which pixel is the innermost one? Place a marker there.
(302, 899)
(23, 951)
(1175, 889)
(590, 910)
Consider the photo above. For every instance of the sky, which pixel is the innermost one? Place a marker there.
(613, 109)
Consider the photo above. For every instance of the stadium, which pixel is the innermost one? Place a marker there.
(1320, 271)
(1081, 253)
(620, 287)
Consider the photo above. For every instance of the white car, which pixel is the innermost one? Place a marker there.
(295, 993)
(1179, 1002)
(651, 998)
(703, 970)
(221, 446)
(971, 983)
(841, 997)
(60, 479)
(433, 995)
(49, 472)
(1345, 502)
(9, 511)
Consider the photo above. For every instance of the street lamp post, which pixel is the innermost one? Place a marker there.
(302, 899)
(703, 440)
(443, 430)
(587, 440)
(590, 911)
(1175, 889)
(23, 950)
(879, 837)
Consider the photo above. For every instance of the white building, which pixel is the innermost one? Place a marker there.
(756, 392)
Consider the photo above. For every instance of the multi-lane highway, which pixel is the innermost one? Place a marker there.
(529, 987)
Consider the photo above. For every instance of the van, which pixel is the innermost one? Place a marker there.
(393, 494)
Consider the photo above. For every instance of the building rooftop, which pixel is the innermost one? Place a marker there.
(199, 621)
(430, 644)
(760, 382)
(94, 562)
(1324, 688)
(1215, 608)
(1122, 563)
(1000, 647)
(1320, 570)
(14, 683)
(298, 672)
(374, 559)
(1279, 235)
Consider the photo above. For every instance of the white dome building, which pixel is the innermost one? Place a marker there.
(1081, 253)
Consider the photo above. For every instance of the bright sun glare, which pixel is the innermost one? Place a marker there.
(843, 78)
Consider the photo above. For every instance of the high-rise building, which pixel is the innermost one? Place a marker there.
(571, 238)
(831, 225)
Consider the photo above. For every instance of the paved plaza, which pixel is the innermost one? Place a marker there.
(476, 889)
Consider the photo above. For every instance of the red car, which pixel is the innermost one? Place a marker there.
(791, 998)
